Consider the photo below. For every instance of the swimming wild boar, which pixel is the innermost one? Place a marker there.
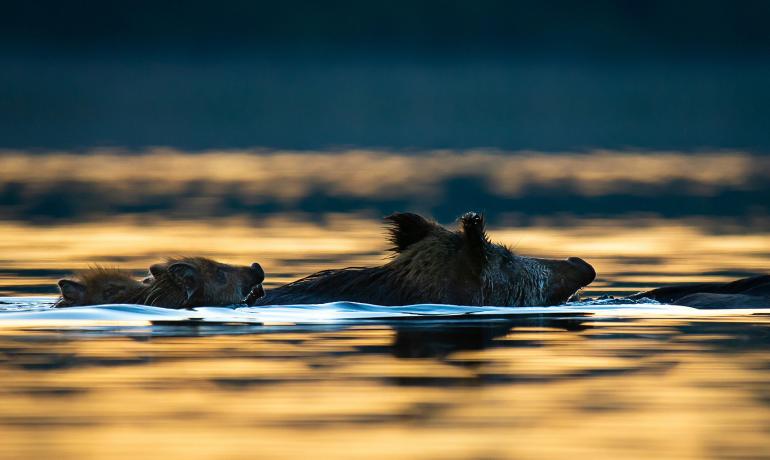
(432, 264)
(751, 292)
(199, 281)
(99, 285)
(177, 283)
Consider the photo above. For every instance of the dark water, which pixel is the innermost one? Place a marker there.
(547, 76)
(333, 99)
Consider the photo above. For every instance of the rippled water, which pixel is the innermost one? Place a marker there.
(545, 388)
(352, 381)
(596, 379)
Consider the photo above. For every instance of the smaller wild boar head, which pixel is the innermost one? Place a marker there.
(198, 281)
(98, 286)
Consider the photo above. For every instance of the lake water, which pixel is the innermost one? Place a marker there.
(645, 385)
(596, 379)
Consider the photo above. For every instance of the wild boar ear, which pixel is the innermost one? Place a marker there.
(186, 276)
(473, 228)
(475, 237)
(406, 228)
(72, 290)
(157, 269)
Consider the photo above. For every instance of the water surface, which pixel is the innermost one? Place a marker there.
(666, 387)
(593, 379)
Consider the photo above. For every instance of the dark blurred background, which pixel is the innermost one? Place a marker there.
(301, 74)
(401, 79)
(634, 134)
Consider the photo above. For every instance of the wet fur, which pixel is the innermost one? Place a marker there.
(97, 282)
(431, 264)
(217, 284)
(751, 292)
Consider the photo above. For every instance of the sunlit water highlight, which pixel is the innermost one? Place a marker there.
(558, 387)
(597, 379)
(629, 254)
(592, 379)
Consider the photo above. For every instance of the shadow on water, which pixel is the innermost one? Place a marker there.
(423, 339)
(441, 340)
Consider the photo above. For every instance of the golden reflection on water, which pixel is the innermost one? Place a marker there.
(291, 175)
(629, 254)
(653, 388)
(642, 389)
(100, 209)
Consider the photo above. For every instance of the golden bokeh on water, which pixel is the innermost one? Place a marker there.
(627, 253)
(627, 390)
(684, 388)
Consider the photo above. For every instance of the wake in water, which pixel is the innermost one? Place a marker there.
(39, 311)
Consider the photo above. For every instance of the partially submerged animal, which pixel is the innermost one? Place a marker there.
(99, 285)
(432, 264)
(198, 281)
(177, 283)
(751, 292)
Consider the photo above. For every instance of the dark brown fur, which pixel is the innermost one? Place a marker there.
(197, 281)
(432, 264)
(752, 292)
(177, 283)
(99, 285)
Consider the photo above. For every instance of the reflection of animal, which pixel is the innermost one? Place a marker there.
(99, 285)
(421, 341)
(753, 292)
(177, 283)
(432, 264)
